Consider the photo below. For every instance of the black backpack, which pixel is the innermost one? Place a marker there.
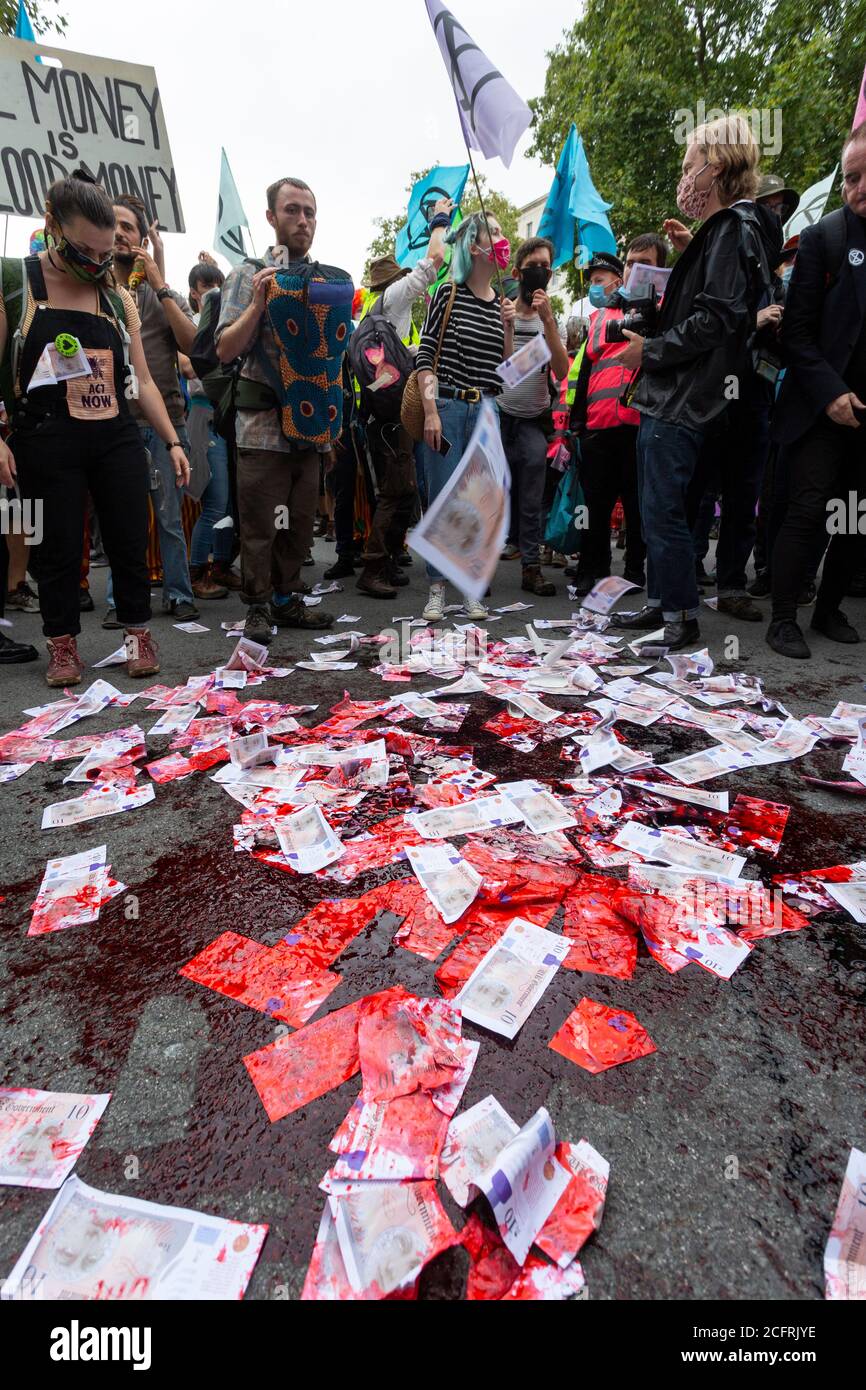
(214, 375)
(382, 364)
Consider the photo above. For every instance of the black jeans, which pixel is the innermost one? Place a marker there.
(394, 461)
(828, 463)
(608, 470)
(59, 462)
(525, 446)
(343, 482)
(734, 454)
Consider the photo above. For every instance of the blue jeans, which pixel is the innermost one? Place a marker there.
(458, 421)
(167, 500)
(207, 542)
(667, 456)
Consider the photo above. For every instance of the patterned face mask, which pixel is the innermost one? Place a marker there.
(80, 265)
(690, 201)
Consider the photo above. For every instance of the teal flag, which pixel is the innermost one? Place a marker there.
(573, 204)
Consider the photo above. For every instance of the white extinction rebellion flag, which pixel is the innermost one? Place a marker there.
(493, 116)
(231, 218)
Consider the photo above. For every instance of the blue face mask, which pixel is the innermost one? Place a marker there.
(786, 275)
(597, 296)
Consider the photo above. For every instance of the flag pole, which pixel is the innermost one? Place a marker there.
(483, 211)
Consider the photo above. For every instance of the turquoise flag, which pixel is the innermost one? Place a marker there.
(23, 27)
(573, 204)
(412, 239)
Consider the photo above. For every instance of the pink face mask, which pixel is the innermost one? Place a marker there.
(500, 252)
(690, 201)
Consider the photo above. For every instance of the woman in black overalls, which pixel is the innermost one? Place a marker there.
(77, 436)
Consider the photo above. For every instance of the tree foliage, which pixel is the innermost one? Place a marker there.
(623, 71)
(42, 14)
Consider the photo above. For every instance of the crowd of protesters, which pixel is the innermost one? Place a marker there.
(717, 383)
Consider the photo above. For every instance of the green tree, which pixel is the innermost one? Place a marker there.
(43, 20)
(623, 72)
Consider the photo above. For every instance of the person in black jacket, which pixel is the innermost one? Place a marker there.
(822, 412)
(689, 368)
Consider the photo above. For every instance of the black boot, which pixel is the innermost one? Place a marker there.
(785, 637)
(835, 625)
(343, 568)
(647, 620)
(682, 633)
(13, 653)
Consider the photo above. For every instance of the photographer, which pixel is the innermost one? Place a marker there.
(607, 428)
(822, 411)
(707, 314)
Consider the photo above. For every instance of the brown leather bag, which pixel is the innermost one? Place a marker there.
(412, 407)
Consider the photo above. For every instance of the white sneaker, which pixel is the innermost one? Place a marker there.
(475, 609)
(435, 610)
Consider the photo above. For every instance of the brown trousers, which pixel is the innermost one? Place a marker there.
(394, 461)
(277, 498)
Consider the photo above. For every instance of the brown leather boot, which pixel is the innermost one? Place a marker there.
(535, 583)
(64, 663)
(203, 583)
(141, 652)
(372, 581)
(222, 573)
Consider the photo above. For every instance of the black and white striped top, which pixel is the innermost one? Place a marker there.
(474, 344)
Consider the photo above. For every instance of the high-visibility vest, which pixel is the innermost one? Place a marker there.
(562, 410)
(414, 337)
(608, 378)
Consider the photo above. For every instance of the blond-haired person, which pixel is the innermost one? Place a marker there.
(688, 366)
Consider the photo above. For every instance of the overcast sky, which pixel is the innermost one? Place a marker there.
(349, 95)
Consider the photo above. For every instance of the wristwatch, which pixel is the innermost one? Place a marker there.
(163, 293)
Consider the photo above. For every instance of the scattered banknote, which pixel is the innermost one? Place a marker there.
(607, 593)
(509, 980)
(715, 801)
(98, 1245)
(679, 851)
(307, 840)
(524, 1182)
(450, 883)
(845, 1255)
(482, 813)
(542, 811)
(388, 1232)
(473, 1141)
(43, 1132)
(851, 896)
(100, 801)
(597, 1037)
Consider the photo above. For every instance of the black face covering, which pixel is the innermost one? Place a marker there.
(532, 278)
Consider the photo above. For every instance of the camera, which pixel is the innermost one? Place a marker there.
(641, 316)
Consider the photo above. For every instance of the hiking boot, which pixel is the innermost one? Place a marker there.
(22, 599)
(294, 613)
(559, 561)
(435, 609)
(110, 623)
(761, 587)
(85, 601)
(511, 552)
(785, 637)
(835, 626)
(257, 627)
(12, 653)
(343, 568)
(474, 609)
(181, 610)
(682, 633)
(740, 607)
(222, 573)
(64, 664)
(645, 620)
(204, 585)
(394, 575)
(141, 652)
(535, 583)
(372, 581)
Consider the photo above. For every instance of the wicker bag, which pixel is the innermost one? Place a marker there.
(412, 406)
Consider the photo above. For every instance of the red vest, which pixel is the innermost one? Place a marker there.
(607, 379)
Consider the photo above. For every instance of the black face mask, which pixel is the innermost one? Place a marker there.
(532, 278)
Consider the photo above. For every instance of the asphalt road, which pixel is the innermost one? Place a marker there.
(765, 1069)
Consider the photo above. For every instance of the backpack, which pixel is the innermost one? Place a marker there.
(13, 272)
(309, 312)
(382, 364)
(214, 375)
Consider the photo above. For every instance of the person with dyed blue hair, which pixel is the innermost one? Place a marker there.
(467, 334)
